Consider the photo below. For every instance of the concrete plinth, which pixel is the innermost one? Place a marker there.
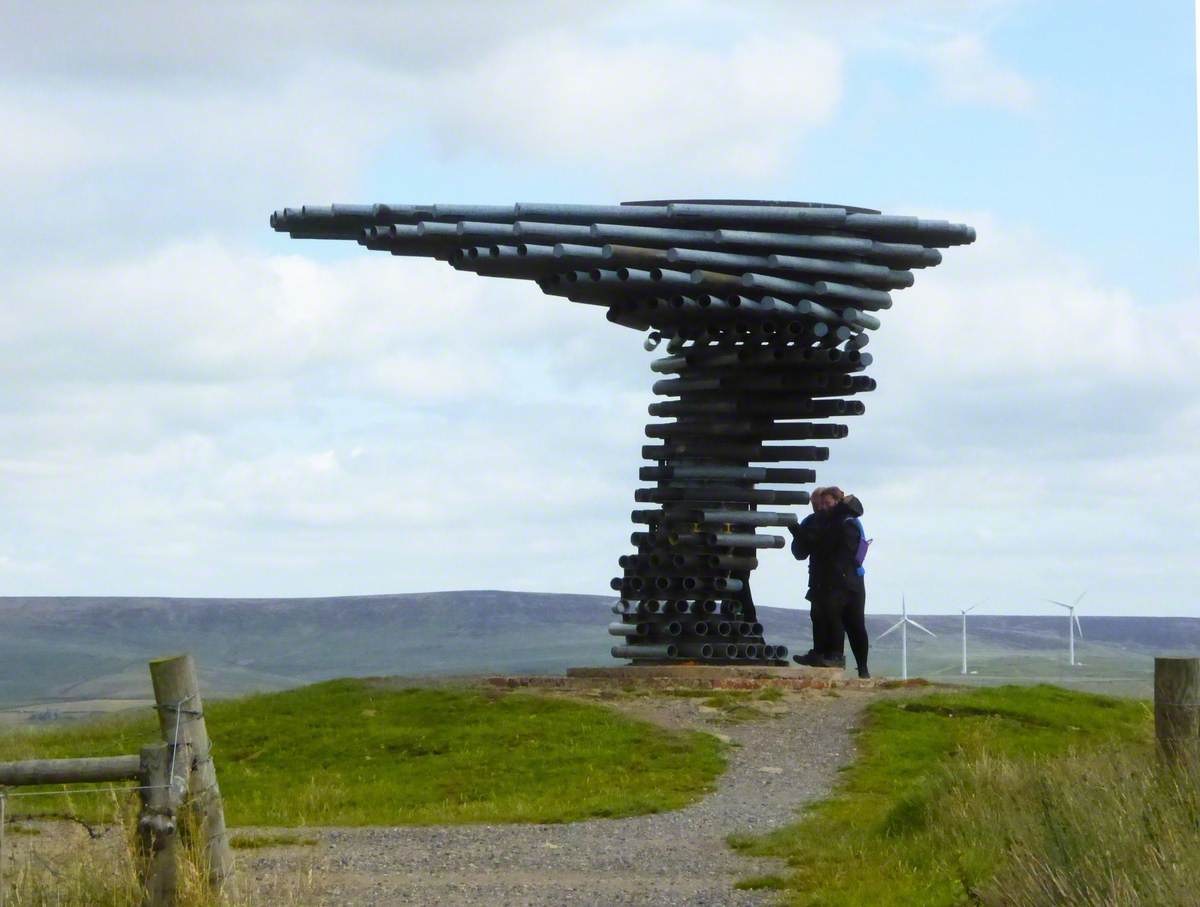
(717, 677)
(703, 672)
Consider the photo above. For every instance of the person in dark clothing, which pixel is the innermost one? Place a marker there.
(809, 540)
(847, 589)
(830, 539)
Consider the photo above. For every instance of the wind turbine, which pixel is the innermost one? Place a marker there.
(965, 612)
(1072, 621)
(903, 623)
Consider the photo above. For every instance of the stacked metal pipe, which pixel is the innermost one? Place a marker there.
(765, 308)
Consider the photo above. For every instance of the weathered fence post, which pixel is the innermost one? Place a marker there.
(3, 819)
(180, 710)
(1177, 709)
(164, 779)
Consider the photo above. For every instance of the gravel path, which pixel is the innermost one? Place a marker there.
(678, 858)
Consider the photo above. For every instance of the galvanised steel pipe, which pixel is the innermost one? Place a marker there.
(492, 232)
(552, 233)
(753, 381)
(646, 652)
(634, 257)
(716, 561)
(904, 255)
(756, 215)
(793, 407)
(829, 292)
(749, 452)
(583, 256)
(872, 275)
(622, 629)
(765, 429)
(625, 320)
(713, 494)
(788, 266)
(736, 473)
(749, 517)
(727, 540)
(788, 357)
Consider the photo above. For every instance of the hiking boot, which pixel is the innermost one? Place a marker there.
(817, 660)
(810, 659)
(864, 674)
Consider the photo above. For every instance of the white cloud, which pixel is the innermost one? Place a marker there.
(737, 109)
(966, 71)
(239, 102)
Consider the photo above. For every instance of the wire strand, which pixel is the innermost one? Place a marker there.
(84, 790)
(175, 741)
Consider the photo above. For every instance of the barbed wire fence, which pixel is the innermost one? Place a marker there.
(176, 781)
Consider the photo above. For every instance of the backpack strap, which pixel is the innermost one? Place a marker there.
(864, 545)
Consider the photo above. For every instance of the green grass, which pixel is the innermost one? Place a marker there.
(897, 832)
(1103, 827)
(348, 752)
(761, 883)
(257, 842)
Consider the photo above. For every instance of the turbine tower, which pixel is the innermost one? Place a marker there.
(965, 612)
(1072, 622)
(902, 624)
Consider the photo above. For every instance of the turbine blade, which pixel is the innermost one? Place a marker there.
(1081, 595)
(1078, 626)
(1060, 604)
(919, 627)
(973, 607)
(894, 626)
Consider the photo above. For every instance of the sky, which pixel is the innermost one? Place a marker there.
(194, 405)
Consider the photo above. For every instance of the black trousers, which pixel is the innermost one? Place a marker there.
(854, 622)
(828, 635)
(838, 615)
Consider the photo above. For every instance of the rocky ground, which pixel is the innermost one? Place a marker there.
(780, 761)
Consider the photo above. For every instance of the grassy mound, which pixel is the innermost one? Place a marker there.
(991, 796)
(350, 752)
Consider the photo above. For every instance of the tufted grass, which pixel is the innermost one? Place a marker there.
(989, 796)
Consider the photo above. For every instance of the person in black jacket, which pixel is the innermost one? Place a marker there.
(810, 539)
(830, 538)
(847, 589)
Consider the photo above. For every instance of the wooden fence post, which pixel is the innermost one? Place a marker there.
(177, 693)
(1177, 709)
(164, 782)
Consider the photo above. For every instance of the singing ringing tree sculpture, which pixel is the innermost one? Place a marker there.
(765, 309)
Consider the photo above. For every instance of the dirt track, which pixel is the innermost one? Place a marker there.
(780, 763)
